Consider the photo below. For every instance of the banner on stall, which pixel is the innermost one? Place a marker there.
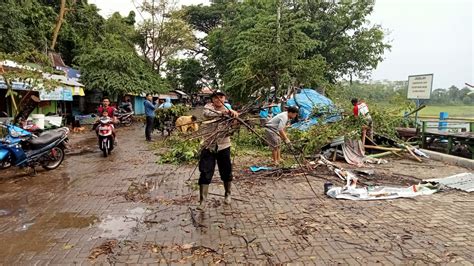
(58, 94)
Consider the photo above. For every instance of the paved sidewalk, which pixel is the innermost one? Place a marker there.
(129, 209)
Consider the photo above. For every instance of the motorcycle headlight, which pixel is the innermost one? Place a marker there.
(15, 134)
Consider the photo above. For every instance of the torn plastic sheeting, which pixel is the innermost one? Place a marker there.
(382, 192)
(260, 168)
(354, 154)
(463, 181)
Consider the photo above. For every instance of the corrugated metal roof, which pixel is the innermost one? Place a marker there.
(464, 181)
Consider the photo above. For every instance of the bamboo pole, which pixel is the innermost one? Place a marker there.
(412, 154)
(378, 155)
(382, 148)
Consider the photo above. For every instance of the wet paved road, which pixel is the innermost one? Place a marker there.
(128, 209)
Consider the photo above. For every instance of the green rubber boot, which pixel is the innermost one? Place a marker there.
(203, 191)
(227, 187)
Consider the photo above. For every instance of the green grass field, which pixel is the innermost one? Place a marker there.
(453, 111)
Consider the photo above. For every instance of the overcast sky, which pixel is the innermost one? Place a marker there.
(427, 36)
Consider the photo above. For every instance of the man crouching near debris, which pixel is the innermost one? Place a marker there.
(217, 150)
(187, 123)
(275, 131)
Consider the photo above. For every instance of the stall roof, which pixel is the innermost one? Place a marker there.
(171, 95)
(63, 79)
(180, 92)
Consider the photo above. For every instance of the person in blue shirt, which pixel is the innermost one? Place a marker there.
(150, 115)
(167, 104)
(268, 112)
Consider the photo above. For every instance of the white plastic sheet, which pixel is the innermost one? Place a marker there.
(382, 192)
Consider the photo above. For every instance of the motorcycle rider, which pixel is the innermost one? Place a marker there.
(110, 110)
(105, 115)
(106, 107)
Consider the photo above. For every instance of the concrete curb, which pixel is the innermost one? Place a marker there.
(459, 161)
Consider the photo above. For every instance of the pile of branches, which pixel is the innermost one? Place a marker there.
(186, 147)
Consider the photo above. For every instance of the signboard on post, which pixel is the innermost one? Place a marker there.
(419, 87)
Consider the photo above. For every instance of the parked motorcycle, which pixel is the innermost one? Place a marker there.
(106, 138)
(124, 117)
(21, 148)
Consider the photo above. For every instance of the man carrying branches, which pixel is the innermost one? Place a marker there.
(216, 148)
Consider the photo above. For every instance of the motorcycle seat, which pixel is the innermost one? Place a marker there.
(45, 139)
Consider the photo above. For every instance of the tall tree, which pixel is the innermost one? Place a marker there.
(113, 64)
(164, 34)
(184, 74)
(254, 44)
(25, 26)
(172, 73)
(59, 22)
(191, 73)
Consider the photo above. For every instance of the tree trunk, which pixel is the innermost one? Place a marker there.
(62, 11)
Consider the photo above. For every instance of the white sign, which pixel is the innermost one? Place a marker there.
(58, 94)
(419, 86)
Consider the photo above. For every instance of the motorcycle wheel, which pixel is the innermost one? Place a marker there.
(55, 158)
(127, 122)
(105, 151)
(5, 164)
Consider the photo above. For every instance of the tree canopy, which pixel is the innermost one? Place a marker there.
(253, 44)
(247, 45)
(105, 50)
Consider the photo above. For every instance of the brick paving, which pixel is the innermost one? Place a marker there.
(63, 216)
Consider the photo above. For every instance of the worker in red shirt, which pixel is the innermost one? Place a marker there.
(362, 110)
(106, 107)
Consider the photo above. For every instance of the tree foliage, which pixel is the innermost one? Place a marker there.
(113, 65)
(164, 34)
(25, 25)
(254, 44)
(29, 69)
(86, 40)
(452, 95)
(184, 74)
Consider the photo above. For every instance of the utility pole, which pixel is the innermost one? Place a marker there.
(277, 75)
(278, 20)
(153, 45)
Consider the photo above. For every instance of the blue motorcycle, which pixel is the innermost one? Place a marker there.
(21, 148)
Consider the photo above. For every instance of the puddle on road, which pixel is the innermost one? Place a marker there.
(31, 235)
(81, 151)
(16, 243)
(120, 226)
(64, 220)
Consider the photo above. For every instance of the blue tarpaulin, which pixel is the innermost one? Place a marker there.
(309, 100)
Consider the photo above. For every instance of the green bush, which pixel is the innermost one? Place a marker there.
(180, 151)
(170, 114)
(247, 139)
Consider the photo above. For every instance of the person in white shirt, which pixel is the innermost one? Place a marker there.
(275, 131)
